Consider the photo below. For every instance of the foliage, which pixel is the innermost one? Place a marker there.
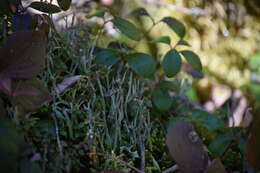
(120, 105)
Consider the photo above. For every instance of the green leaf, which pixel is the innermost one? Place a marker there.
(139, 12)
(219, 145)
(45, 7)
(171, 63)
(142, 64)
(107, 57)
(64, 4)
(161, 99)
(209, 121)
(168, 85)
(164, 39)
(127, 28)
(183, 43)
(175, 25)
(193, 59)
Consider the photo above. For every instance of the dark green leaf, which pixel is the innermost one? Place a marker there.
(242, 146)
(15, 2)
(4, 7)
(168, 85)
(139, 12)
(164, 39)
(10, 146)
(171, 63)
(127, 28)
(27, 166)
(193, 59)
(47, 126)
(161, 99)
(183, 42)
(64, 4)
(45, 7)
(123, 47)
(142, 64)
(175, 25)
(107, 57)
(219, 145)
(209, 121)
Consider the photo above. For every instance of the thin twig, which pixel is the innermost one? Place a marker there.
(116, 159)
(171, 169)
(191, 103)
(190, 11)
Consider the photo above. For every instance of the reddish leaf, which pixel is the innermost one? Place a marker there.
(253, 143)
(186, 148)
(24, 88)
(216, 166)
(5, 85)
(30, 94)
(22, 57)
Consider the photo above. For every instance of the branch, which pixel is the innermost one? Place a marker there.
(189, 11)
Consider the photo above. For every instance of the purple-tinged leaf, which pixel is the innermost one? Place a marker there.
(186, 148)
(30, 94)
(5, 85)
(23, 88)
(21, 22)
(22, 57)
(67, 83)
(190, 70)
